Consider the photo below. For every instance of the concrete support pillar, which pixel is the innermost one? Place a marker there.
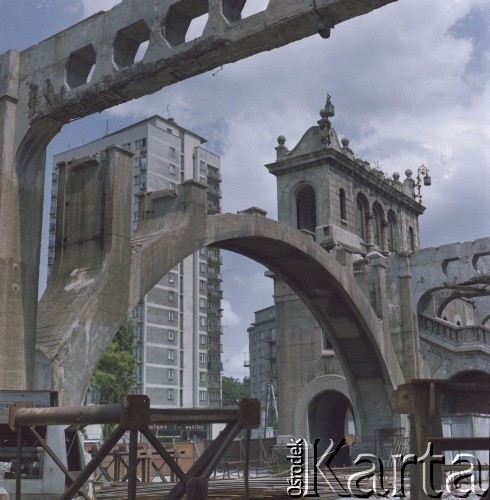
(87, 297)
(378, 266)
(295, 348)
(369, 231)
(384, 236)
(410, 337)
(23, 144)
(13, 293)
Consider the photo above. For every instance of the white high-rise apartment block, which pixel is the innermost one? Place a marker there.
(178, 323)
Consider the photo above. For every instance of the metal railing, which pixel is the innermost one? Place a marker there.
(135, 416)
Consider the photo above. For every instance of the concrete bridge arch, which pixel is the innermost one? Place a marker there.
(72, 346)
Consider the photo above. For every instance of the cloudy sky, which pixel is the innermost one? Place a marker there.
(410, 84)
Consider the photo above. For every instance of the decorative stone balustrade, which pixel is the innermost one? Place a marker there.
(456, 335)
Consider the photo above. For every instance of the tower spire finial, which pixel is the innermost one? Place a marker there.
(325, 125)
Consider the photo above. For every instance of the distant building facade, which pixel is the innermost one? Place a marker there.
(262, 363)
(177, 325)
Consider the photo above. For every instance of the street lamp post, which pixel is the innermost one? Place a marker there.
(422, 173)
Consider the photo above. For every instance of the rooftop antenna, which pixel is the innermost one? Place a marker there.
(107, 127)
(168, 110)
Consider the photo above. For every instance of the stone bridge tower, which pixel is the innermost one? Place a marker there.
(369, 223)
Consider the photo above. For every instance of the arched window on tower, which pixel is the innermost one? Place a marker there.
(377, 225)
(306, 209)
(392, 232)
(342, 203)
(361, 212)
(411, 239)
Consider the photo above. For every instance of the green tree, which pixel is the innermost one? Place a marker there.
(235, 389)
(114, 376)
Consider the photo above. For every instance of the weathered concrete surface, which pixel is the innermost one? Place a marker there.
(49, 84)
(81, 307)
(463, 266)
(88, 294)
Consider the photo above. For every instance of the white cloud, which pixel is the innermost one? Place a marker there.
(230, 318)
(92, 6)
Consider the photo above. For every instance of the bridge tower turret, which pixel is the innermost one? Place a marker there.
(325, 189)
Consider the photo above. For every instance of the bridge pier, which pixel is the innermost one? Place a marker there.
(17, 303)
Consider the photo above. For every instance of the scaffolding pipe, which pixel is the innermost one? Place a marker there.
(111, 414)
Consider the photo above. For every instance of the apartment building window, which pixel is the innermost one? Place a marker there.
(172, 169)
(202, 267)
(171, 354)
(171, 374)
(172, 186)
(140, 143)
(202, 357)
(202, 303)
(135, 199)
(135, 216)
(171, 278)
(202, 285)
(202, 340)
(202, 395)
(137, 311)
(171, 335)
(127, 146)
(173, 152)
(171, 316)
(140, 180)
(137, 161)
(170, 394)
(202, 166)
(202, 320)
(202, 376)
(171, 296)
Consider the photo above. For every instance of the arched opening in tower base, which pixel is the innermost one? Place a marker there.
(330, 419)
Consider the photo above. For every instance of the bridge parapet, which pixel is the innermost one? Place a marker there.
(436, 328)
